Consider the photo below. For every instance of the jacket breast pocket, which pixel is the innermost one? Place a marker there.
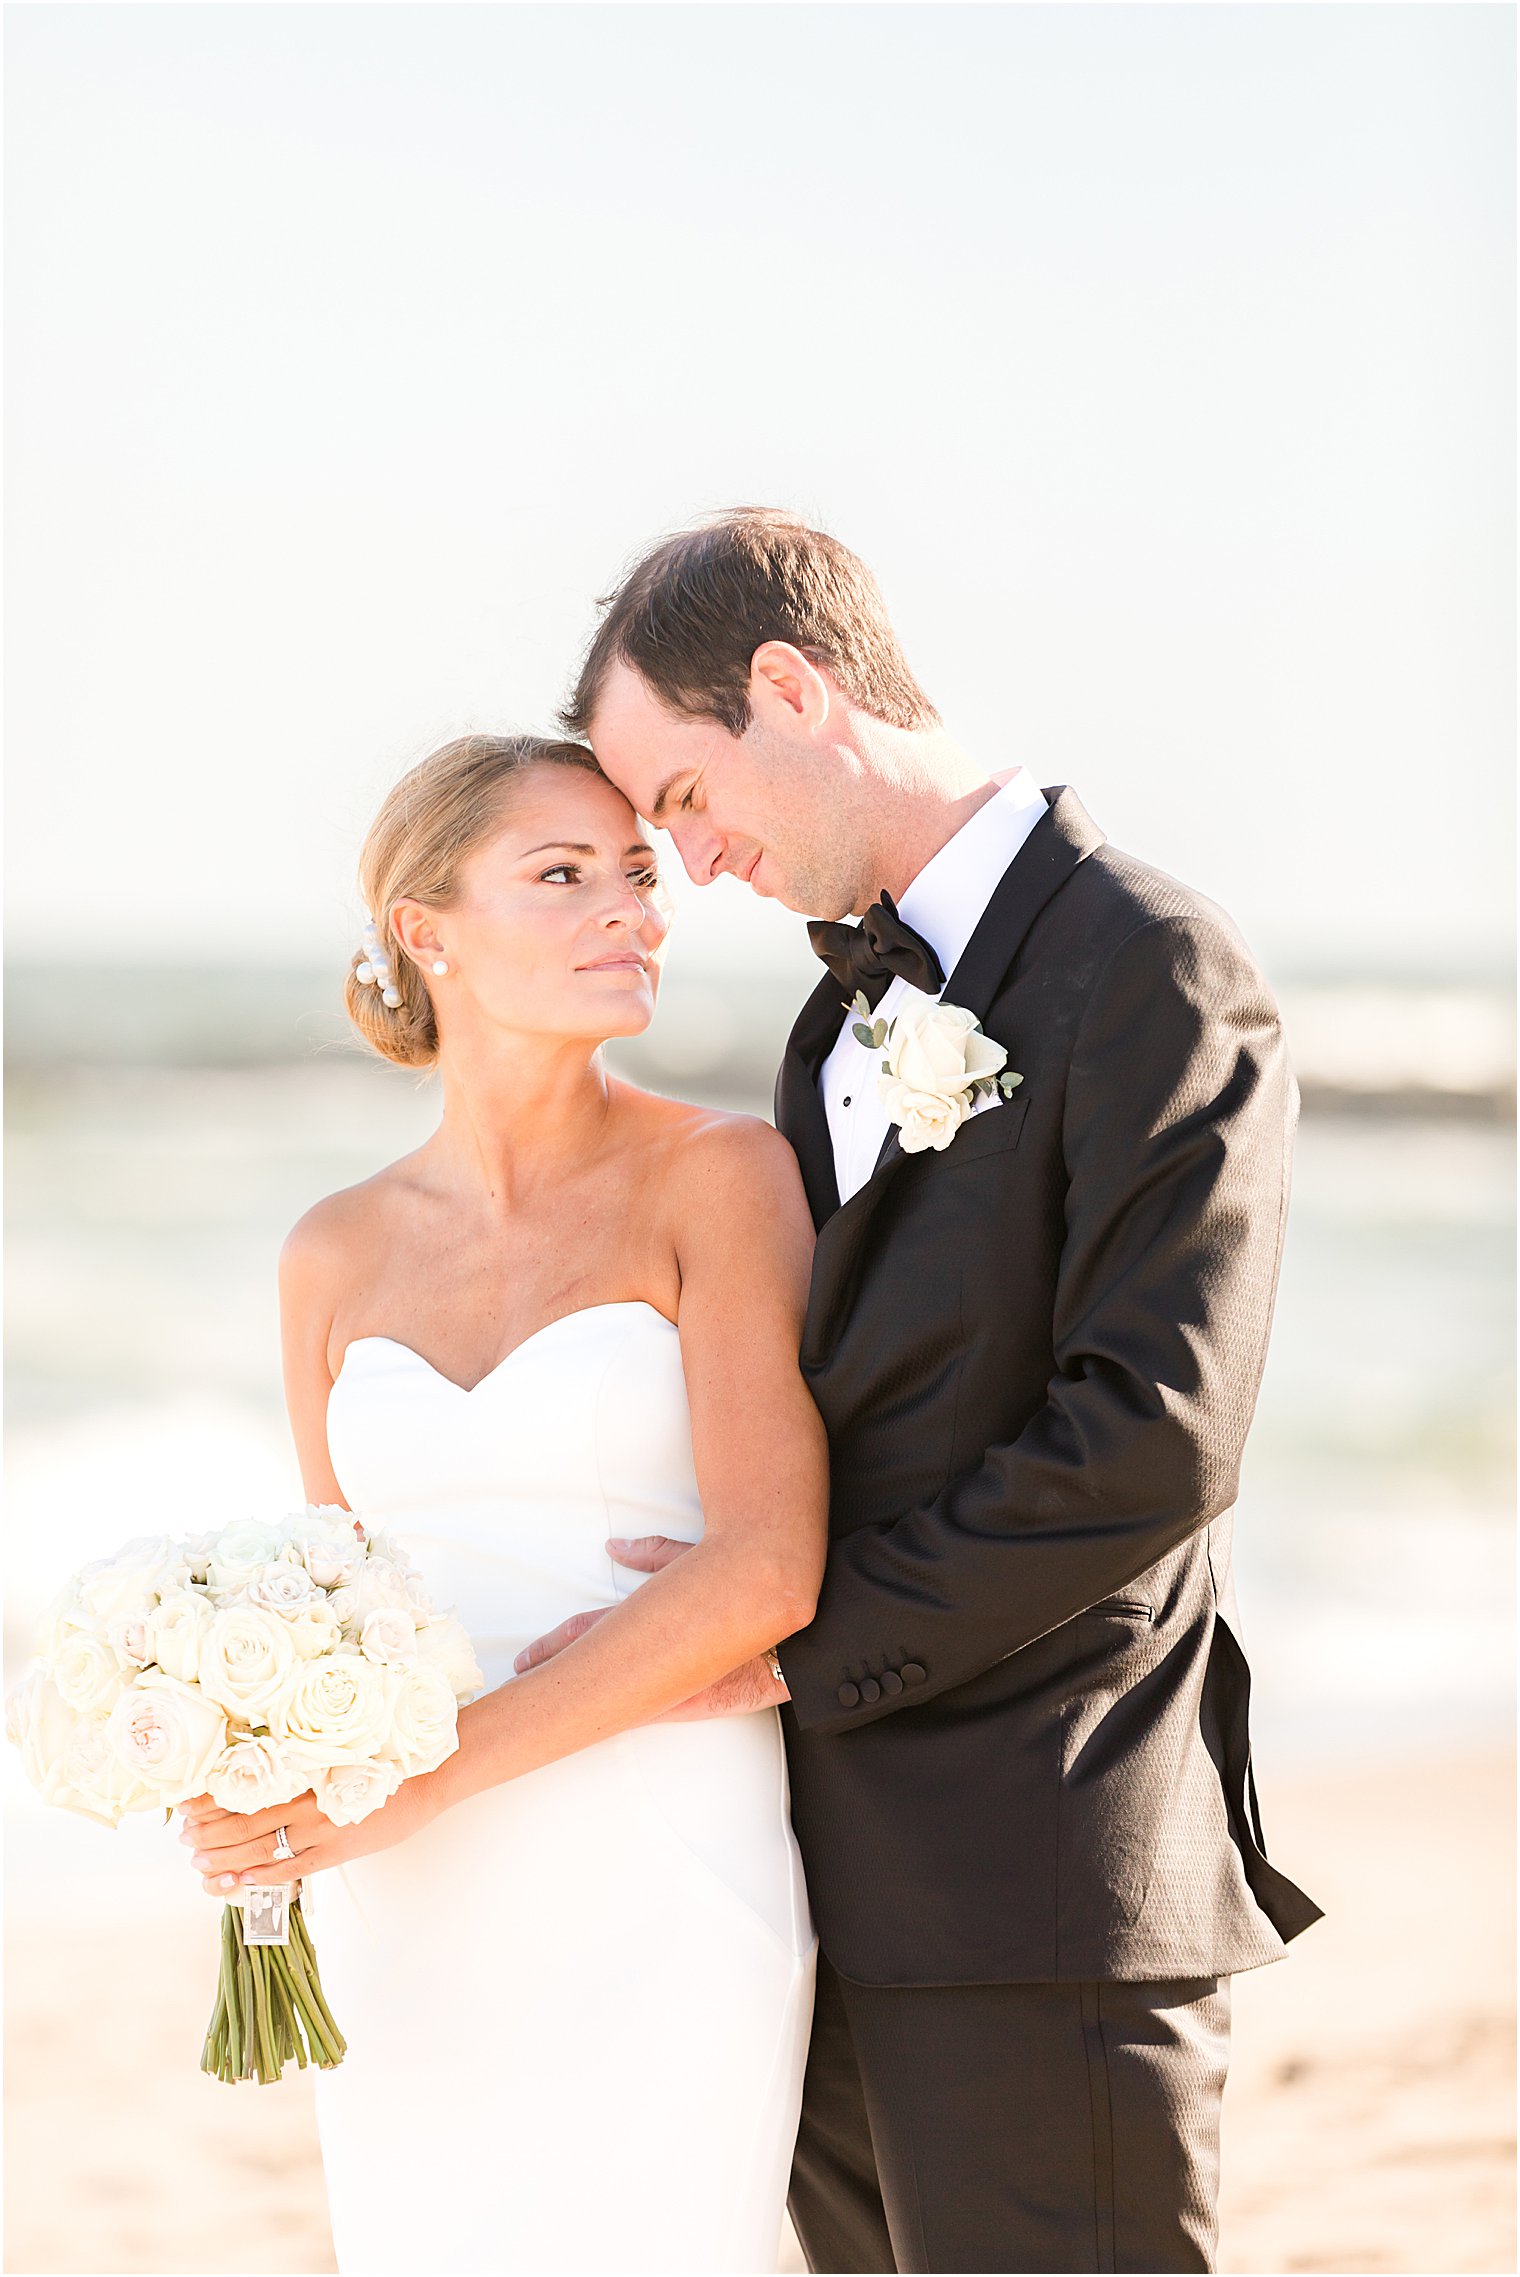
(994, 1131)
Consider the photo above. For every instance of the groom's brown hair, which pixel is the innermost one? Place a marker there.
(689, 616)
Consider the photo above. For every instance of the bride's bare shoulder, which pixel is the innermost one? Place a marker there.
(709, 1159)
(335, 1233)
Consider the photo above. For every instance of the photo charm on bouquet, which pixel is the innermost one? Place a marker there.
(251, 1666)
(266, 1914)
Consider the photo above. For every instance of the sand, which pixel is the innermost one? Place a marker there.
(1368, 2126)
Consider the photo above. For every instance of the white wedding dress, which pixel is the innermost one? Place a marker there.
(577, 2006)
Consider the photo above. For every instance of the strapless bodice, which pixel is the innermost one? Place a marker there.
(613, 1950)
(505, 1495)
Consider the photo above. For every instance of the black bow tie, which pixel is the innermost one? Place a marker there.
(879, 949)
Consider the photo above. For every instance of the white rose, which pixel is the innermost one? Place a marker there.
(88, 1674)
(246, 1661)
(424, 1726)
(389, 1635)
(40, 1722)
(937, 1047)
(131, 1581)
(330, 1550)
(401, 1574)
(314, 1627)
(64, 1618)
(198, 1551)
(377, 1584)
(130, 1637)
(418, 1595)
(337, 1710)
(390, 1551)
(445, 1644)
(924, 1118)
(180, 1621)
(168, 1734)
(387, 1547)
(350, 1791)
(254, 1774)
(100, 1785)
(280, 1588)
(239, 1550)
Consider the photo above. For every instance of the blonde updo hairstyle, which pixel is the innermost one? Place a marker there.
(430, 824)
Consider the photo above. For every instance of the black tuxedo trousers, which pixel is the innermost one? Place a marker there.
(1011, 2127)
(1018, 1726)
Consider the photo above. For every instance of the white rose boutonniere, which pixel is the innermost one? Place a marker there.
(937, 1064)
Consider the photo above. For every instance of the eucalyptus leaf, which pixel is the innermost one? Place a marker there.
(862, 1033)
(879, 1034)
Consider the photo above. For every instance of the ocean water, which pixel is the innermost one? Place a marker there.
(146, 1210)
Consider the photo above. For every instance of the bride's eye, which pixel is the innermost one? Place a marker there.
(648, 879)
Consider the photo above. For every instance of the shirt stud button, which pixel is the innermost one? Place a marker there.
(847, 1099)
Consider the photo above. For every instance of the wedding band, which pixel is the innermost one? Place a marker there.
(282, 1847)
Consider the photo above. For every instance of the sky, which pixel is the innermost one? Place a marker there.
(1159, 359)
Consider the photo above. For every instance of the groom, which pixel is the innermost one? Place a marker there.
(1017, 1729)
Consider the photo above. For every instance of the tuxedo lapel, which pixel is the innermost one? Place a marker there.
(800, 1115)
(1064, 836)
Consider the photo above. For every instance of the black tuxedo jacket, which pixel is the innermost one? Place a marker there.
(1017, 1733)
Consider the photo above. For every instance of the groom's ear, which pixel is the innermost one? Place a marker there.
(786, 690)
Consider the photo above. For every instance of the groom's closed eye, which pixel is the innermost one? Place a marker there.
(663, 794)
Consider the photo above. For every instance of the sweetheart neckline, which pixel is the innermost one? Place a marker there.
(468, 1391)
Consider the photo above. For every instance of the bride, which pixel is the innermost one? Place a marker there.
(575, 1964)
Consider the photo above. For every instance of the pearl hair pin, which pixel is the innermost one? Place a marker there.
(373, 969)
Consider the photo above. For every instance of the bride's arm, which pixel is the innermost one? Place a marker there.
(306, 1317)
(743, 1240)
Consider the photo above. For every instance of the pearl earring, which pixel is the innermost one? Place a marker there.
(439, 966)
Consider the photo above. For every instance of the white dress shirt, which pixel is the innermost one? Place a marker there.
(945, 903)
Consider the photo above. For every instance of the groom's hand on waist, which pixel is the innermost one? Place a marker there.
(545, 1647)
(739, 1693)
(647, 1555)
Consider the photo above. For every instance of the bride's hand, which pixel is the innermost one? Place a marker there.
(233, 1847)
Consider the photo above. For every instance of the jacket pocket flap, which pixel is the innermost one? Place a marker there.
(993, 1131)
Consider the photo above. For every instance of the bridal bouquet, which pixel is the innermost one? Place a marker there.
(250, 1665)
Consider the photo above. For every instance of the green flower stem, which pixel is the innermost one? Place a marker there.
(268, 2068)
(303, 1961)
(246, 2003)
(231, 1947)
(293, 2044)
(270, 2007)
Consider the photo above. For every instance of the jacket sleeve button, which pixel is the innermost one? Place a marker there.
(848, 1696)
(891, 1682)
(913, 1672)
(870, 1690)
